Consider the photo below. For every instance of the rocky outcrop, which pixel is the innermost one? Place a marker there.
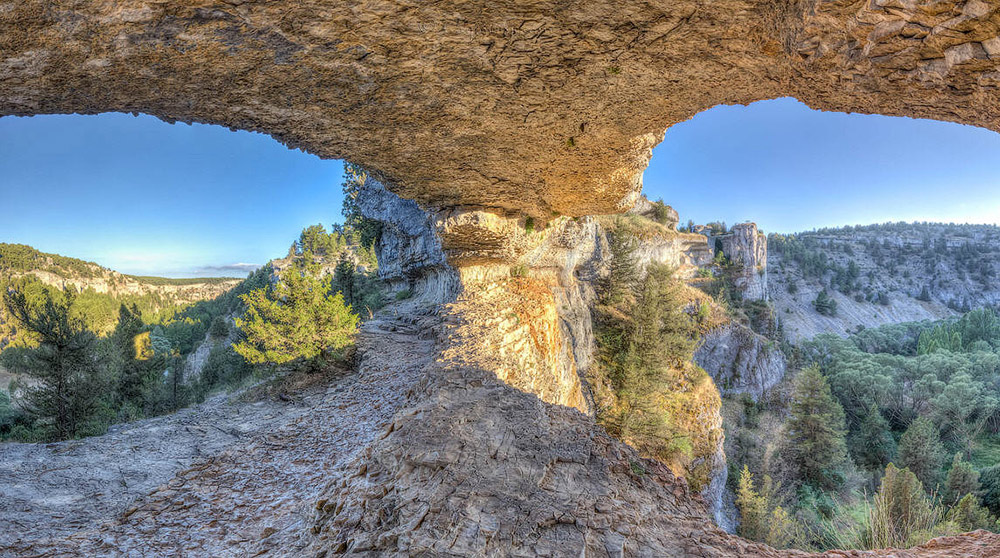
(525, 294)
(740, 361)
(431, 449)
(656, 211)
(515, 105)
(926, 271)
(746, 249)
(409, 250)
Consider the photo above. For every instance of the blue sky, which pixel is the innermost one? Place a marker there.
(790, 168)
(146, 197)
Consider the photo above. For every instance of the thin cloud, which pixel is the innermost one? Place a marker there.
(235, 269)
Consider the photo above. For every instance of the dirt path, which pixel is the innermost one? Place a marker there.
(226, 479)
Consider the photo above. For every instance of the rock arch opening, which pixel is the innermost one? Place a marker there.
(490, 114)
(495, 106)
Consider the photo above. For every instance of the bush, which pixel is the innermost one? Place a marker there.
(219, 328)
(989, 478)
(298, 319)
(900, 511)
(968, 515)
(223, 368)
(825, 304)
(404, 294)
(661, 212)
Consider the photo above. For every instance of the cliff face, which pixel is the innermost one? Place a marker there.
(746, 249)
(62, 272)
(903, 272)
(523, 299)
(117, 284)
(462, 433)
(740, 361)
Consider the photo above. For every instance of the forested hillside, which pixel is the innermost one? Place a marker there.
(837, 280)
(100, 291)
(900, 413)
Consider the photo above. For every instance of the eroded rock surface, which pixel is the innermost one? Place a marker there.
(534, 107)
(250, 493)
(740, 361)
(52, 490)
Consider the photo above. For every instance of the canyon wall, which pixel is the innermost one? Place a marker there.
(520, 299)
(926, 271)
(741, 361)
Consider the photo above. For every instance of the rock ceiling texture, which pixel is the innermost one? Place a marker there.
(536, 107)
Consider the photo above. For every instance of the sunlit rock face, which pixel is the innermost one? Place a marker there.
(746, 249)
(534, 107)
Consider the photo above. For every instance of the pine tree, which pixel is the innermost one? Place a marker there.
(925, 294)
(962, 479)
(969, 515)
(920, 451)
(815, 443)
(299, 318)
(132, 375)
(752, 507)
(367, 230)
(873, 446)
(900, 509)
(344, 280)
(825, 304)
(65, 381)
(622, 280)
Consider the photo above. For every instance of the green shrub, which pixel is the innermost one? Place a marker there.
(661, 212)
(404, 294)
(297, 319)
(899, 512)
(219, 327)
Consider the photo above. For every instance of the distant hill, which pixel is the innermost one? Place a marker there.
(879, 274)
(102, 290)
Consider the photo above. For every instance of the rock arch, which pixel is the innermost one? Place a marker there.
(543, 107)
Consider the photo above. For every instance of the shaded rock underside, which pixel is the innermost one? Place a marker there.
(536, 107)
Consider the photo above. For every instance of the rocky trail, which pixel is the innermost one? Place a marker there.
(221, 479)
(413, 455)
